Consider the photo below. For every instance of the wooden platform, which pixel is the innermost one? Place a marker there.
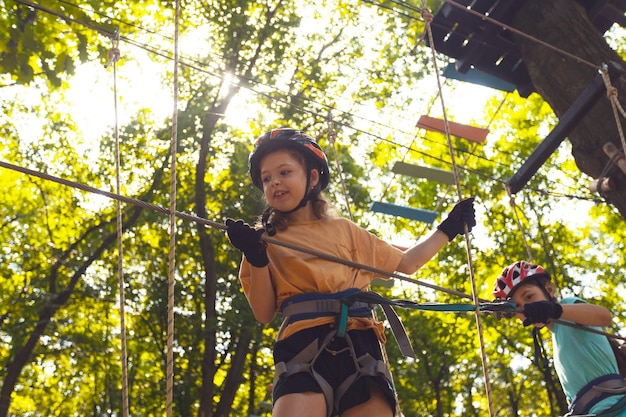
(480, 44)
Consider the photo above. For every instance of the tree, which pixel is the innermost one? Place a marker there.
(289, 63)
(560, 81)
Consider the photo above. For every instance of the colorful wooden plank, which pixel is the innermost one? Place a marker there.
(426, 216)
(475, 134)
(433, 174)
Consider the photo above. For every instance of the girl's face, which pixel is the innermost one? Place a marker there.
(529, 293)
(284, 176)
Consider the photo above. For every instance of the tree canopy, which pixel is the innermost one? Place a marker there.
(355, 75)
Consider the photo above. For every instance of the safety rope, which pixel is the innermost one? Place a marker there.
(612, 95)
(172, 217)
(427, 15)
(518, 222)
(114, 57)
(332, 138)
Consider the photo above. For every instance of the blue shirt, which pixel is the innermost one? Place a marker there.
(581, 356)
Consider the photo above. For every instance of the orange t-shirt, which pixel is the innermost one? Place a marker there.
(294, 272)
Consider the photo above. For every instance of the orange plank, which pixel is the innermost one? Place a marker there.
(475, 134)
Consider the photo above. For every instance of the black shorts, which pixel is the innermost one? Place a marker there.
(334, 368)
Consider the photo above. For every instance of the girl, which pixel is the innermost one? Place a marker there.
(327, 355)
(585, 362)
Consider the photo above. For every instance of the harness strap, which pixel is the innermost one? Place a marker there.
(315, 308)
(398, 330)
(365, 365)
(303, 362)
(300, 310)
(596, 391)
(359, 305)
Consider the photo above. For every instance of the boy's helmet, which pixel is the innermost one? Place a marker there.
(514, 275)
(287, 138)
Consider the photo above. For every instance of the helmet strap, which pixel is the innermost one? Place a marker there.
(549, 296)
(269, 227)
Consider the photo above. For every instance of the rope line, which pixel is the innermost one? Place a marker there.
(67, 18)
(332, 138)
(513, 204)
(205, 222)
(114, 57)
(427, 15)
(172, 218)
(612, 95)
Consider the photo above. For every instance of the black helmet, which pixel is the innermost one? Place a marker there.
(287, 138)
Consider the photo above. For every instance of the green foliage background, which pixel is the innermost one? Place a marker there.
(246, 67)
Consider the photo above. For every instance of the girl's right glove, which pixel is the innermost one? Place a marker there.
(248, 241)
(462, 213)
(541, 312)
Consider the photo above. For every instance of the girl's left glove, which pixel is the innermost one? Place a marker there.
(462, 214)
(541, 312)
(248, 241)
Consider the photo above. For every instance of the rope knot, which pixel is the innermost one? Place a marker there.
(114, 52)
(427, 15)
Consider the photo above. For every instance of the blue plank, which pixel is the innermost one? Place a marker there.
(426, 216)
(476, 76)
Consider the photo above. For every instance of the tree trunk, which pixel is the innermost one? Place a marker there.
(236, 372)
(560, 80)
(207, 250)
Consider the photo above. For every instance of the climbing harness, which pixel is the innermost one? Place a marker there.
(312, 305)
(596, 391)
(354, 303)
(304, 361)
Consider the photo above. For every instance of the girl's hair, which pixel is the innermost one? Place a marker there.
(321, 208)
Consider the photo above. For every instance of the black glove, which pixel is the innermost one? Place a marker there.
(541, 312)
(248, 241)
(461, 214)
